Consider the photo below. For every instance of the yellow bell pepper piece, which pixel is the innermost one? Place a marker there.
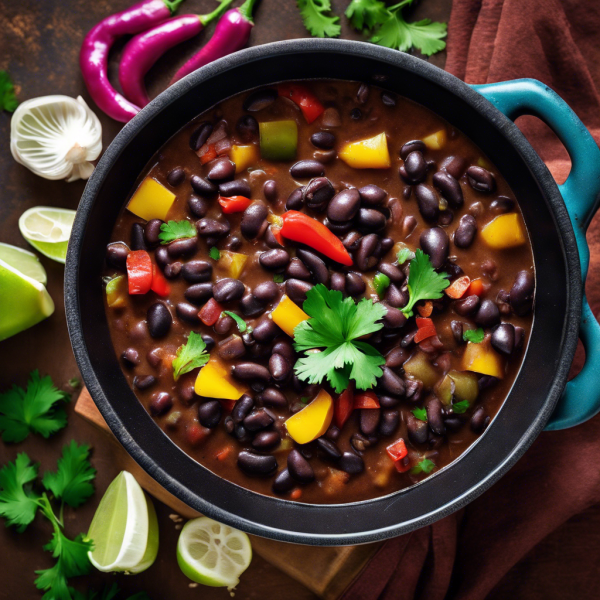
(437, 140)
(233, 261)
(505, 231)
(244, 156)
(313, 421)
(287, 315)
(151, 200)
(482, 358)
(371, 153)
(214, 381)
(116, 292)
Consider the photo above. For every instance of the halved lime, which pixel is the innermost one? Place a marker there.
(24, 301)
(48, 229)
(213, 554)
(124, 529)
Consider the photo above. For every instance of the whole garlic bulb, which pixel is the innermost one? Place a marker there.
(56, 137)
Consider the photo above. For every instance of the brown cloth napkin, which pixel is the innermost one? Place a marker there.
(466, 554)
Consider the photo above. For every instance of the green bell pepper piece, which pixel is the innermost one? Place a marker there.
(278, 140)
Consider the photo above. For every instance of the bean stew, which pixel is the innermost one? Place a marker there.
(320, 291)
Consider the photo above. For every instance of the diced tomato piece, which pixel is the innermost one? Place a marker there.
(309, 104)
(223, 453)
(426, 329)
(366, 400)
(477, 288)
(343, 406)
(139, 272)
(234, 204)
(276, 231)
(209, 314)
(296, 493)
(458, 288)
(402, 465)
(159, 285)
(196, 434)
(209, 155)
(426, 309)
(397, 450)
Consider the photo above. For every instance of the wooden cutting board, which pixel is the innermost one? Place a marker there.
(325, 571)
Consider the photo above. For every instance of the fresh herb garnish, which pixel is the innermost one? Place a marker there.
(74, 383)
(214, 253)
(34, 410)
(304, 399)
(365, 14)
(474, 336)
(190, 355)
(381, 283)
(278, 278)
(404, 254)
(420, 413)
(317, 18)
(241, 324)
(460, 407)
(176, 230)
(424, 283)
(8, 99)
(425, 466)
(335, 326)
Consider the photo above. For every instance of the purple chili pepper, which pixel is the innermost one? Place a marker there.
(142, 51)
(231, 34)
(93, 57)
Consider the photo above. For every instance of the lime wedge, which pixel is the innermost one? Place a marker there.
(124, 529)
(47, 230)
(24, 301)
(213, 554)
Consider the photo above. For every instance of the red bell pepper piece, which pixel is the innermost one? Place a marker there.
(458, 288)
(426, 329)
(159, 285)
(210, 154)
(426, 309)
(209, 314)
(234, 204)
(299, 227)
(309, 104)
(139, 272)
(366, 400)
(196, 434)
(477, 288)
(343, 407)
(402, 465)
(397, 451)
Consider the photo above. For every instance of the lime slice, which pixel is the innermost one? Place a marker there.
(24, 301)
(213, 554)
(47, 230)
(124, 529)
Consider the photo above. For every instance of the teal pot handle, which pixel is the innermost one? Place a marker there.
(581, 193)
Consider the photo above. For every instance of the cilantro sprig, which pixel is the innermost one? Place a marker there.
(334, 327)
(475, 336)
(365, 14)
(241, 324)
(190, 355)
(425, 466)
(317, 18)
(176, 230)
(420, 413)
(424, 283)
(36, 409)
(8, 98)
(460, 407)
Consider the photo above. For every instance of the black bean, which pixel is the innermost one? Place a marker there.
(502, 205)
(369, 219)
(390, 419)
(270, 190)
(363, 93)
(137, 237)
(355, 114)
(372, 195)
(222, 169)
(412, 146)
(328, 448)
(338, 282)
(228, 290)
(247, 128)
(258, 419)
(299, 467)
(203, 187)
(408, 339)
(271, 396)
(388, 98)
(457, 328)
(172, 270)
(184, 247)
(408, 225)
(396, 357)
(284, 347)
(199, 293)
(250, 306)
(266, 291)
(396, 296)
(269, 238)
(519, 337)
(296, 290)
(418, 432)
(262, 465)
(131, 357)
(352, 241)
(344, 205)
(159, 320)
(449, 188)
(266, 440)
(200, 135)
(197, 206)
(151, 231)
(116, 255)
(160, 403)
(154, 358)
(175, 176)
(209, 413)
(241, 434)
(392, 271)
(315, 265)
(355, 285)
(209, 341)
(435, 242)
(453, 423)
(295, 200)
(455, 165)
(187, 312)
(212, 228)
(466, 306)
(332, 434)
(338, 228)
(369, 420)
(351, 463)
(260, 99)
(241, 409)
(488, 314)
(359, 442)
(415, 167)
(197, 271)
(229, 425)
(265, 331)
(323, 139)
(253, 220)
(306, 169)
(224, 324)
(144, 382)
(279, 367)
(317, 193)
(428, 202)
(393, 318)
(503, 338)
(274, 260)
(465, 232)
(367, 247)
(237, 187)
(481, 179)
(392, 383)
(521, 293)
(250, 371)
(434, 416)
(480, 420)
(283, 482)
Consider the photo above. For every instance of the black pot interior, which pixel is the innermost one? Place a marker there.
(533, 395)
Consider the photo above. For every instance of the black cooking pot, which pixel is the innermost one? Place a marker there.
(541, 380)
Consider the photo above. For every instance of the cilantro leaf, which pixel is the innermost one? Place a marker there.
(18, 504)
(241, 324)
(32, 410)
(72, 480)
(474, 335)
(8, 99)
(176, 230)
(365, 14)
(420, 413)
(190, 356)
(424, 283)
(334, 327)
(460, 407)
(381, 283)
(316, 18)
(404, 254)
(278, 278)
(214, 253)
(425, 466)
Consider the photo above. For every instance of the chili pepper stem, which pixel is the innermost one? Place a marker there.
(246, 10)
(172, 5)
(206, 19)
